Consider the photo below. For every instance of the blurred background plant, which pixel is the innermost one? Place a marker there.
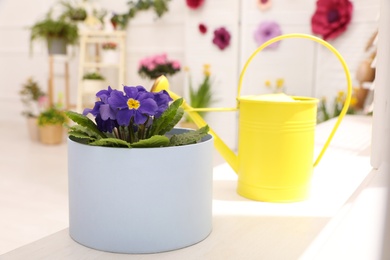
(73, 10)
(33, 98)
(202, 96)
(324, 113)
(278, 87)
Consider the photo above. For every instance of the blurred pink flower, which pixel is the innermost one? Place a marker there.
(157, 65)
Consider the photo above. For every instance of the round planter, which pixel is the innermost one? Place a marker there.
(51, 134)
(110, 56)
(56, 46)
(141, 200)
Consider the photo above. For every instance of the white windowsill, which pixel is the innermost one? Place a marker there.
(343, 187)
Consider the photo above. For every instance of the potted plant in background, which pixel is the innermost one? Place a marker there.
(200, 97)
(58, 33)
(50, 124)
(33, 98)
(92, 82)
(110, 55)
(153, 67)
(126, 177)
(74, 12)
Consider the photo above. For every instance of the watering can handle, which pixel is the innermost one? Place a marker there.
(335, 52)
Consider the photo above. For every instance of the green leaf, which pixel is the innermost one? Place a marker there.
(81, 135)
(154, 141)
(168, 119)
(189, 137)
(111, 142)
(84, 121)
(85, 130)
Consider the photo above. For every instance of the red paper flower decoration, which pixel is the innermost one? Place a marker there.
(194, 4)
(331, 18)
(202, 28)
(221, 38)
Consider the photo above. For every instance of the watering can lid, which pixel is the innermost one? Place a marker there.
(279, 97)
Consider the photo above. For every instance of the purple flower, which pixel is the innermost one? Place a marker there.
(105, 125)
(136, 103)
(162, 99)
(103, 113)
(266, 31)
(221, 38)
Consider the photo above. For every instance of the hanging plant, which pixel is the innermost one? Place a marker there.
(160, 7)
(221, 38)
(194, 4)
(331, 18)
(266, 31)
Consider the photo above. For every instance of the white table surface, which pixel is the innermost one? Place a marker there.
(342, 186)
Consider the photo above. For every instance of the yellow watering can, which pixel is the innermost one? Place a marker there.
(276, 137)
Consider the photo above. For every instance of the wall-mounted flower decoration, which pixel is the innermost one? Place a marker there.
(202, 28)
(266, 31)
(264, 4)
(331, 18)
(194, 4)
(221, 38)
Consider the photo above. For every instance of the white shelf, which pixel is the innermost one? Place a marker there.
(98, 37)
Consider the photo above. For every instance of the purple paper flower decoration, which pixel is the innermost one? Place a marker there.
(266, 31)
(221, 38)
(136, 103)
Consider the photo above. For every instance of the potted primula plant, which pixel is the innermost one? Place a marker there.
(50, 124)
(136, 179)
(110, 55)
(58, 33)
(33, 98)
(153, 67)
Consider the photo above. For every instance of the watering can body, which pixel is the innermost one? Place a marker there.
(276, 147)
(274, 162)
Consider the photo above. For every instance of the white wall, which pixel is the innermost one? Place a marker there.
(308, 69)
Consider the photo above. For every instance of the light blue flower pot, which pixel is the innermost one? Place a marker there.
(143, 200)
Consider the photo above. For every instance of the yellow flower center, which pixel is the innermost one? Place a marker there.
(133, 104)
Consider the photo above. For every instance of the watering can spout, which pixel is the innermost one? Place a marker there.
(231, 158)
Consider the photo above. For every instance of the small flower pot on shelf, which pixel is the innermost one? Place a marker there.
(110, 54)
(92, 83)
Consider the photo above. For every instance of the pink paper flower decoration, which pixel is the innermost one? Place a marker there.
(194, 4)
(202, 28)
(331, 18)
(266, 31)
(221, 38)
